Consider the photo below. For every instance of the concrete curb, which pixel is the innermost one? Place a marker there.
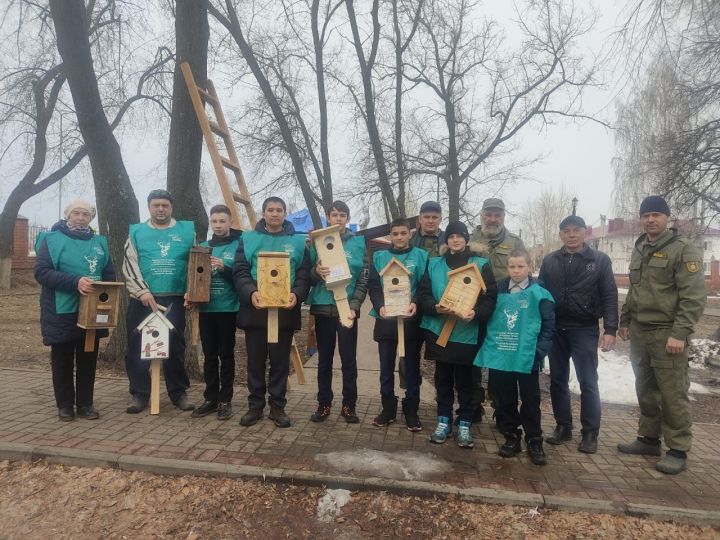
(91, 458)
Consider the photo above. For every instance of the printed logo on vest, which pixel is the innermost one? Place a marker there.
(175, 238)
(512, 317)
(92, 263)
(164, 248)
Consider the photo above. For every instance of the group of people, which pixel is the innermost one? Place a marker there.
(515, 323)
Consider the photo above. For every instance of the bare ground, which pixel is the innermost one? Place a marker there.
(43, 500)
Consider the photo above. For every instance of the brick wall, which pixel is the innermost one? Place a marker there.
(21, 245)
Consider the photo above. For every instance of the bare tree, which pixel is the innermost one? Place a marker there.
(454, 60)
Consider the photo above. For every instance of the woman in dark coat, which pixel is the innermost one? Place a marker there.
(69, 259)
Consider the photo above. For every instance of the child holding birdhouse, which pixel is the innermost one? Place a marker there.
(519, 336)
(329, 329)
(69, 259)
(273, 233)
(394, 279)
(217, 318)
(457, 293)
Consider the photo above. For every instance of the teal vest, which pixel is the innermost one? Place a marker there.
(223, 297)
(254, 242)
(79, 257)
(163, 255)
(355, 254)
(414, 260)
(463, 332)
(513, 331)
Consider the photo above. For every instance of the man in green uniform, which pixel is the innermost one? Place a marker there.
(500, 244)
(665, 300)
(428, 234)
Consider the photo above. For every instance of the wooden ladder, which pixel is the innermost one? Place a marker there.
(200, 97)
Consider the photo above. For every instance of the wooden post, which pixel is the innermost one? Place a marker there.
(343, 307)
(297, 365)
(155, 386)
(272, 326)
(273, 281)
(89, 340)
(447, 329)
(401, 336)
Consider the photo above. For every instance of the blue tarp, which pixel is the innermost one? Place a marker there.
(302, 221)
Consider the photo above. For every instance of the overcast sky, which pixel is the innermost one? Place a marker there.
(576, 153)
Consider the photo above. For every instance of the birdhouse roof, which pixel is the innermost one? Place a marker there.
(468, 269)
(394, 263)
(111, 284)
(327, 230)
(158, 319)
(282, 254)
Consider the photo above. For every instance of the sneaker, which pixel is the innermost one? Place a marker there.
(442, 431)
(251, 417)
(674, 462)
(66, 414)
(348, 413)
(183, 403)
(463, 436)
(206, 408)
(277, 415)
(642, 446)
(224, 411)
(88, 412)
(137, 404)
(535, 451)
(321, 413)
(410, 411)
(512, 445)
(589, 443)
(560, 435)
(388, 414)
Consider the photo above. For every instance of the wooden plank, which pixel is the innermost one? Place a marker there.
(89, 340)
(229, 164)
(212, 100)
(272, 325)
(297, 363)
(218, 130)
(401, 337)
(342, 305)
(155, 386)
(447, 329)
(239, 198)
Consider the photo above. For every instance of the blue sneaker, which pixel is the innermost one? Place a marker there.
(463, 436)
(442, 431)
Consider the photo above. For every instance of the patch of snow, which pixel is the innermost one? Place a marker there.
(330, 504)
(405, 465)
(616, 380)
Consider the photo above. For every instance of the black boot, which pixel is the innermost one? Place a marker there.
(410, 411)
(535, 451)
(512, 444)
(560, 435)
(389, 412)
(589, 442)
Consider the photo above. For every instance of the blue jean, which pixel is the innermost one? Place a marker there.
(581, 344)
(387, 350)
(327, 330)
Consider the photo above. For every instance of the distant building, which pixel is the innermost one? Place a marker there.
(617, 238)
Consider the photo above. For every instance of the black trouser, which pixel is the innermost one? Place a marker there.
(505, 385)
(449, 379)
(138, 370)
(387, 350)
(217, 333)
(327, 329)
(258, 350)
(64, 357)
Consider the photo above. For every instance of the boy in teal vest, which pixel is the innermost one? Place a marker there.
(519, 336)
(217, 318)
(272, 233)
(155, 268)
(453, 367)
(385, 333)
(327, 322)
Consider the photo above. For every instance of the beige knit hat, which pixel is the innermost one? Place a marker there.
(80, 204)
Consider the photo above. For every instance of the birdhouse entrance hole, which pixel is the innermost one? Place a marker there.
(467, 280)
(274, 272)
(104, 297)
(395, 281)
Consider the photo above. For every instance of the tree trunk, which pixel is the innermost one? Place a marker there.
(116, 202)
(185, 144)
(326, 190)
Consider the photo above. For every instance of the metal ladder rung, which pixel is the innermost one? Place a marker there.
(229, 164)
(218, 130)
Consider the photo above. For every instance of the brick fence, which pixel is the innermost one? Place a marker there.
(21, 258)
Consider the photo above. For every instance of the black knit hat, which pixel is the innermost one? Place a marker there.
(457, 227)
(573, 221)
(654, 203)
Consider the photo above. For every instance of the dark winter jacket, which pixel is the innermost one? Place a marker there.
(245, 285)
(431, 244)
(386, 329)
(583, 285)
(547, 318)
(61, 327)
(460, 353)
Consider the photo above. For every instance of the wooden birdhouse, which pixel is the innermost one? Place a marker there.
(99, 309)
(273, 281)
(155, 346)
(396, 288)
(331, 253)
(465, 285)
(199, 275)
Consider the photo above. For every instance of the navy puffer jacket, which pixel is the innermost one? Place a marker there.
(61, 328)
